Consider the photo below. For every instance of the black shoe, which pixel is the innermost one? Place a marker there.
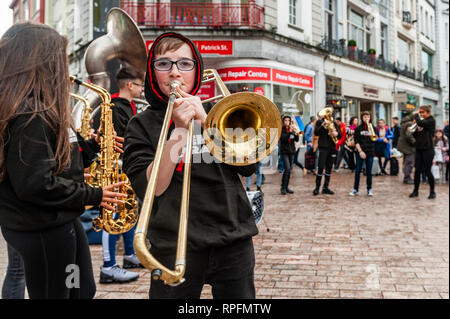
(248, 189)
(409, 182)
(316, 192)
(432, 195)
(327, 191)
(258, 189)
(283, 191)
(414, 194)
(289, 191)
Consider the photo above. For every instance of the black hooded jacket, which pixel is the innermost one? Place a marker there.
(424, 133)
(325, 141)
(219, 211)
(32, 197)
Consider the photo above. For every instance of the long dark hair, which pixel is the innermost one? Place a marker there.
(34, 80)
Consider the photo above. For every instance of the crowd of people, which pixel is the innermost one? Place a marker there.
(364, 147)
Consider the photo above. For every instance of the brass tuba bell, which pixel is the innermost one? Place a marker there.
(122, 41)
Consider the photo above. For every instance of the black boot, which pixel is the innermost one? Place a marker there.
(318, 182)
(432, 194)
(325, 189)
(288, 177)
(415, 193)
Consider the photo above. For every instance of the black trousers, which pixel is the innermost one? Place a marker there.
(288, 160)
(424, 161)
(56, 261)
(229, 270)
(327, 157)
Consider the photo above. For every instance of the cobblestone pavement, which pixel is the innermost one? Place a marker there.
(388, 246)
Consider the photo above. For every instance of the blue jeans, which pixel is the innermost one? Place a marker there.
(14, 283)
(109, 246)
(248, 180)
(359, 164)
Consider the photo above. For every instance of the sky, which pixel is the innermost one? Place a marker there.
(5, 16)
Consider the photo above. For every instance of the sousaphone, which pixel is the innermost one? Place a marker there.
(123, 41)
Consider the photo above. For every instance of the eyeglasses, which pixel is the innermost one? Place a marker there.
(141, 85)
(166, 64)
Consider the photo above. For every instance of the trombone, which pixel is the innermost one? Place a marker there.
(239, 110)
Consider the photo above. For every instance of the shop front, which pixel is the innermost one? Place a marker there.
(289, 87)
(362, 97)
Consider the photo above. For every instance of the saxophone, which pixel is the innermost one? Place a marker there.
(106, 172)
(327, 114)
(86, 116)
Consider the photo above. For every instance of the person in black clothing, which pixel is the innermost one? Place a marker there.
(42, 189)
(287, 150)
(131, 85)
(396, 131)
(327, 154)
(221, 225)
(365, 149)
(426, 126)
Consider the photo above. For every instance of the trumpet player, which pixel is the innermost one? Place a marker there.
(327, 153)
(365, 148)
(221, 224)
(423, 134)
(289, 136)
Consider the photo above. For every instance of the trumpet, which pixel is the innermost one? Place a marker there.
(373, 135)
(233, 110)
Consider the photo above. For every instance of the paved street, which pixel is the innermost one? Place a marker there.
(388, 246)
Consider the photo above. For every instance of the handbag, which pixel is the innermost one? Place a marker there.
(435, 171)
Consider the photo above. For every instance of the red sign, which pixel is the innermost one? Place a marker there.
(207, 90)
(244, 74)
(292, 79)
(259, 90)
(208, 47)
(215, 47)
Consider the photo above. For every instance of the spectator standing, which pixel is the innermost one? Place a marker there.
(383, 146)
(342, 127)
(406, 146)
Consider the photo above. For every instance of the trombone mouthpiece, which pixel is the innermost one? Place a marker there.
(174, 84)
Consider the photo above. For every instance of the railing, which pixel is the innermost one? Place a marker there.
(195, 14)
(341, 49)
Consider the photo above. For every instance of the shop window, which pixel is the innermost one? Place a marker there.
(293, 101)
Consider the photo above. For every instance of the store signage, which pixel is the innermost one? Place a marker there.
(292, 78)
(217, 47)
(207, 91)
(244, 74)
(333, 85)
(370, 92)
(259, 90)
(266, 74)
(400, 98)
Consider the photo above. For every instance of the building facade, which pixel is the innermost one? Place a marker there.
(382, 56)
(28, 10)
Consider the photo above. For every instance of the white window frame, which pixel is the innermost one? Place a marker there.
(295, 13)
(365, 31)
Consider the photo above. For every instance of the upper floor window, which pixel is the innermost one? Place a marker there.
(330, 19)
(26, 12)
(294, 12)
(404, 53)
(358, 31)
